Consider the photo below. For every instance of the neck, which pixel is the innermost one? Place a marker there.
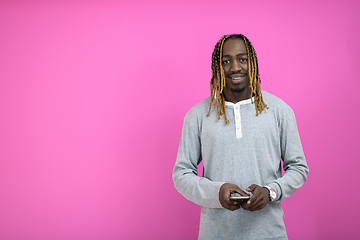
(237, 96)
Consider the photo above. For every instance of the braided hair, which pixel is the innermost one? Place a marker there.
(218, 82)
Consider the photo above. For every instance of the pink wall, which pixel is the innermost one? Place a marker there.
(92, 97)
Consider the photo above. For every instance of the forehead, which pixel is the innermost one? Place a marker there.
(233, 47)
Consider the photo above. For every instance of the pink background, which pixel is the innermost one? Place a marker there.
(93, 95)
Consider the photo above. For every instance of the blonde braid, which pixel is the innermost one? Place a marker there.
(218, 83)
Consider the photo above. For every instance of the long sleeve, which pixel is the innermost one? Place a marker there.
(246, 151)
(294, 163)
(199, 190)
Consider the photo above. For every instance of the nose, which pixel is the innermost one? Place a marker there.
(235, 66)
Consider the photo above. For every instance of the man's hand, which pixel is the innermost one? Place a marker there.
(259, 198)
(224, 196)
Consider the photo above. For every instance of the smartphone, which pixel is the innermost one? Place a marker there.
(241, 199)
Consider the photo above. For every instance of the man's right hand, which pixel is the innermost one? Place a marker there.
(224, 196)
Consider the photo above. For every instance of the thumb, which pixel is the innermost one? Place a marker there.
(238, 190)
(251, 188)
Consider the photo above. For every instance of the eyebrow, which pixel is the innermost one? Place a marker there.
(240, 54)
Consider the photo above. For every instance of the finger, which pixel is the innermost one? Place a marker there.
(224, 196)
(248, 205)
(251, 188)
(252, 206)
(253, 201)
(257, 201)
(256, 207)
(233, 207)
(238, 190)
(228, 202)
(225, 192)
(256, 190)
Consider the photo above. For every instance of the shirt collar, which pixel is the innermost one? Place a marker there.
(246, 101)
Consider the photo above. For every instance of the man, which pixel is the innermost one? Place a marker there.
(241, 134)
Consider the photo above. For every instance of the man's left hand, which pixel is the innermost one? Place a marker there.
(258, 200)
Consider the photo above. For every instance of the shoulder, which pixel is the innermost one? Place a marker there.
(198, 112)
(275, 103)
(282, 112)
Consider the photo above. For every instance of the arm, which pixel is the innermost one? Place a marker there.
(199, 190)
(295, 167)
(294, 163)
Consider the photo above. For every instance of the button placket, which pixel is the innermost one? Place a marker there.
(237, 121)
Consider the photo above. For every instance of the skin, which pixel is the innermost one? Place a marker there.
(235, 66)
(224, 196)
(259, 199)
(237, 89)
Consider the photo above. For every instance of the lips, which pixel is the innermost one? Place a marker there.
(236, 78)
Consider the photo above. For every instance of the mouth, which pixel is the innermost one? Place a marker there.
(236, 78)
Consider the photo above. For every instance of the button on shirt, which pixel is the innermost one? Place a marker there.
(237, 108)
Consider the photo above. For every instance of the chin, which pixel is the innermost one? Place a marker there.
(239, 89)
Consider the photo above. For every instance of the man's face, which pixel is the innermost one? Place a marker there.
(235, 66)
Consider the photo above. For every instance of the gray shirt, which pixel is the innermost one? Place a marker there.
(246, 151)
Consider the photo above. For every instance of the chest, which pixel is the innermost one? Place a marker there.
(244, 126)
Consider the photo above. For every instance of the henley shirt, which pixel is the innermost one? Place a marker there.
(246, 151)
